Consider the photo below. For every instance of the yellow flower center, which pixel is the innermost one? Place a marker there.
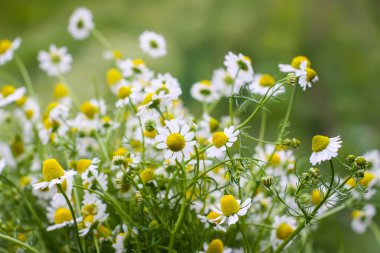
(120, 151)
(356, 214)
(219, 139)
(103, 231)
(283, 231)
(319, 143)
(117, 54)
(82, 165)
(213, 215)
(113, 76)
(137, 62)
(315, 197)
(150, 134)
(296, 62)
(124, 92)
(25, 180)
(60, 91)
(274, 160)
(367, 179)
(147, 175)
(213, 124)
(7, 90)
(206, 82)
(266, 81)
(89, 109)
(51, 169)
(175, 142)
(229, 205)
(89, 218)
(351, 182)
(148, 98)
(215, 246)
(55, 58)
(89, 209)
(5, 45)
(21, 101)
(29, 114)
(168, 116)
(61, 215)
(310, 74)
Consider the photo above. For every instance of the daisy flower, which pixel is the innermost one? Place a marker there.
(230, 208)
(153, 44)
(10, 94)
(80, 23)
(278, 161)
(221, 140)
(177, 141)
(55, 62)
(324, 148)
(7, 49)
(239, 67)
(210, 218)
(307, 76)
(362, 218)
(54, 174)
(224, 82)
(215, 245)
(204, 92)
(59, 213)
(93, 210)
(263, 82)
(112, 55)
(295, 64)
(135, 68)
(283, 228)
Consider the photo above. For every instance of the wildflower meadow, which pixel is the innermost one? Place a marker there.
(138, 169)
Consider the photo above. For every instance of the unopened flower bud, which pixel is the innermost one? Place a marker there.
(138, 197)
(287, 142)
(314, 172)
(153, 224)
(296, 143)
(305, 176)
(122, 182)
(350, 158)
(150, 125)
(267, 181)
(291, 79)
(361, 162)
(359, 174)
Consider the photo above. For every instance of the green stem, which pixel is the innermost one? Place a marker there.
(102, 39)
(246, 244)
(376, 231)
(263, 125)
(288, 112)
(17, 242)
(25, 76)
(73, 214)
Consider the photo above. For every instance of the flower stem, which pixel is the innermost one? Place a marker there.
(73, 214)
(17, 242)
(376, 231)
(246, 243)
(25, 76)
(288, 112)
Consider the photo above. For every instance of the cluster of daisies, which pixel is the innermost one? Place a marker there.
(142, 173)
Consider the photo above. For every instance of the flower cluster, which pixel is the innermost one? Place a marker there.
(143, 173)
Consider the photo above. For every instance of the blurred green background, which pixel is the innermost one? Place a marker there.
(342, 39)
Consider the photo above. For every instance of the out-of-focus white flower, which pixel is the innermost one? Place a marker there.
(283, 228)
(10, 94)
(81, 23)
(204, 92)
(153, 44)
(56, 61)
(362, 218)
(265, 84)
(239, 67)
(7, 49)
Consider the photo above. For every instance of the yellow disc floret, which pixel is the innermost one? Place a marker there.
(267, 81)
(51, 169)
(213, 124)
(61, 215)
(175, 142)
(82, 165)
(219, 139)
(124, 92)
(113, 76)
(274, 160)
(5, 45)
(319, 143)
(89, 109)
(356, 214)
(310, 74)
(284, 231)
(147, 175)
(7, 90)
(60, 91)
(212, 216)
(296, 62)
(367, 179)
(215, 246)
(315, 197)
(229, 205)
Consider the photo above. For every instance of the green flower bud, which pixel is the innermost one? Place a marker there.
(350, 158)
(150, 125)
(361, 162)
(267, 181)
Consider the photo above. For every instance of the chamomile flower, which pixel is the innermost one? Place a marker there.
(283, 228)
(10, 94)
(80, 23)
(112, 55)
(210, 219)
(204, 92)
(61, 94)
(224, 83)
(7, 49)
(93, 210)
(307, 76)
(56, 61)
(135, 68)
(153, 44)
(324, 148)
(230, 208)
(295, 64)
(127, 94)
(222, 140)
(215, 246)
(239, 67)
(176, 140)
(265, 84)
(362, 218)
(54, 174)
(59, 213)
